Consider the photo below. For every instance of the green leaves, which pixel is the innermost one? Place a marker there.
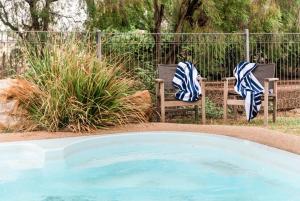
(208, 16)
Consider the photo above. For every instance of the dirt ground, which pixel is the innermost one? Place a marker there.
(260, 135)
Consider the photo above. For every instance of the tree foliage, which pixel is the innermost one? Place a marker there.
(195, 15)
(120, 15)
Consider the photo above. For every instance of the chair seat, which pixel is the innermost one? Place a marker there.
(171, 97)
(233, 93)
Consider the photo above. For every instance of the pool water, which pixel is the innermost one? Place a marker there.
(153, 167)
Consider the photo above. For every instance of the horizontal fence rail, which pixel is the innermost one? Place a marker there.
(214, 54)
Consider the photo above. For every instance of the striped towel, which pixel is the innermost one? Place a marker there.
(185, 80)
(248, 87)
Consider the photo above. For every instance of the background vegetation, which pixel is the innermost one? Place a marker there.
(194, 15)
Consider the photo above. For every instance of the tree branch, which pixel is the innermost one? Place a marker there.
(4, 18)
(187, 10)
(64, 16)
(158, 17)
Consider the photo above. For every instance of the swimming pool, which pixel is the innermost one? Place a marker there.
(158, 166)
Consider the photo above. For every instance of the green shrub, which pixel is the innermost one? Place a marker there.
(212, 110)
(75, 89)
(135, 51)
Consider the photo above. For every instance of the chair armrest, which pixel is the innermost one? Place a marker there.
(271, 79)
(159, 80)
(228, 78)
(202, 79)
(159, 87)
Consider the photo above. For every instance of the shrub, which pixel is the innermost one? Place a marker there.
(75, 89)
(135, 50)
(212, 110)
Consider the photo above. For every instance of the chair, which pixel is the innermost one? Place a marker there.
(165, 92)
(265, 74)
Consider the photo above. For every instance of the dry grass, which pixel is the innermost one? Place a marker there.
(289, 125)
(77, 91)
(286, 122)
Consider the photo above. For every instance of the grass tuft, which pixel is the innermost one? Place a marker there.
(75, 89)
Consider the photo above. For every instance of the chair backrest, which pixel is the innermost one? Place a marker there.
(167, 72)
(263, 71)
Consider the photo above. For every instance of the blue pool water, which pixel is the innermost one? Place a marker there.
(166, 166)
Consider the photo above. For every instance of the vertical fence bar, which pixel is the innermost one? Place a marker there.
(98, 45)
(247, 46)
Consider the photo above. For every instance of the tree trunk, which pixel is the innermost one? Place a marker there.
(187, 9)
(158, 17)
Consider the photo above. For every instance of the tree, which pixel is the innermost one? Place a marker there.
(290, 15)
(35, 15)
(118, 15)
(158, 18)
(29, 15)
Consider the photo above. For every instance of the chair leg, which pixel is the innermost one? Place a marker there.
(274, 109)
(266, 103)
(225, 112)
(235, 109)
(162, 103)
(266, 112)
(203, 113)
(162, 113)
(196, 113)
(157, 104)
(275, 101)
(225, 101)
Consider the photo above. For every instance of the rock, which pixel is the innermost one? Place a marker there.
(12, 116)
(142, 100)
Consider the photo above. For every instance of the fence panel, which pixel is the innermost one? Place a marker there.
(215, 55)
(283, 49)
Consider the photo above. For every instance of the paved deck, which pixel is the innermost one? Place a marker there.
(265, 136)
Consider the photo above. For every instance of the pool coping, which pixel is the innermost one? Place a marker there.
(287, 142)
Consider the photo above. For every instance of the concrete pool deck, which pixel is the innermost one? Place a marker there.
(260, 135)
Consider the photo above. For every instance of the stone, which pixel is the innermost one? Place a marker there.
(12, 116)
(142, 100)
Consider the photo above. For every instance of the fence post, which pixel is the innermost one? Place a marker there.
(247, 45)
(98, 45)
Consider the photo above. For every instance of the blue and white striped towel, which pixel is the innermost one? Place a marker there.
(185, 80)
(248, 87)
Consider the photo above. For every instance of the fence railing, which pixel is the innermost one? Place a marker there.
(214, 54)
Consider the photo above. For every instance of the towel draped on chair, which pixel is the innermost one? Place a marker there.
(186, 81)
(248, 87)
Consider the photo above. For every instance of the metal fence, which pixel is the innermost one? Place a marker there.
(214, 54)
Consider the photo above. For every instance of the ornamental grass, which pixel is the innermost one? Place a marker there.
(77, 91)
